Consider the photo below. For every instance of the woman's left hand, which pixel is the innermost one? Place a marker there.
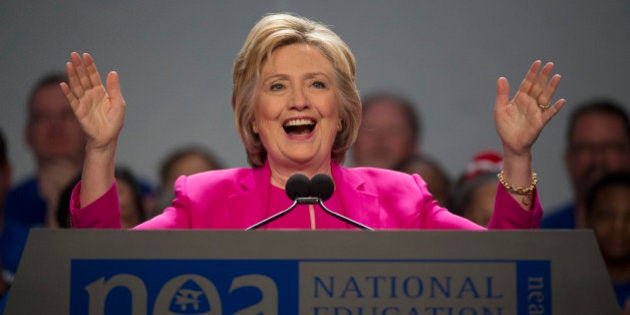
(520, 120)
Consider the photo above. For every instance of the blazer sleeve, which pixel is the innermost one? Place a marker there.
(177, 216)
(103, 213)
(508, 214)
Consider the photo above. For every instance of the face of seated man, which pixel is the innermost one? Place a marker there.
(384, 139)
(599, 145)
(53, 132)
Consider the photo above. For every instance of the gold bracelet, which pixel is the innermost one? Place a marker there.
(518, 190)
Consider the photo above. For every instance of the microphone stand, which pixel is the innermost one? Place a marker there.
(343, 218)
(309, 201)
(297, 201)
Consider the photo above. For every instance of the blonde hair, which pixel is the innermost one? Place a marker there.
(270, 33)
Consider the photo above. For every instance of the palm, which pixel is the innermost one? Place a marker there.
(519, 121)
(101, 112)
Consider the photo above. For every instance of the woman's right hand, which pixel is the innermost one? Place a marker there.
(100, 110)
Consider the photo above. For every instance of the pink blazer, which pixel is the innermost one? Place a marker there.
(238, 198)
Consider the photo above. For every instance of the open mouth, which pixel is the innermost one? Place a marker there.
(297, 127)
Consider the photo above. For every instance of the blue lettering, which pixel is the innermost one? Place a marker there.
(446, 290)
(342, 311)
(489, 289)
(393, 287)
(375, 284)
(468, 286)
(467, 311)
(462, 311)
(351, 287)
(329, 290)
(391, 308)
(418, 287)
(435, 310)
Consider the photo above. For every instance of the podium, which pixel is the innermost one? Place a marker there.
(311, 272)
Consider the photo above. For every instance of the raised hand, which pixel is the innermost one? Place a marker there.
(100, 111)
(520, 120)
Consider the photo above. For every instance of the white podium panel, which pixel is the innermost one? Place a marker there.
(311, 272)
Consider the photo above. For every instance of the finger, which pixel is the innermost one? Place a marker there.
(77, 62)
(92, 72)
(553, 110)
(503, 92)
(113, 88)
(541, 80)
(72, 99)
(530, 77)
(549, 91)
(73, 80)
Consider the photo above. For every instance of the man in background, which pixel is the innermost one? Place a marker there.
(389, 132)
(57, 143)
(598, 143)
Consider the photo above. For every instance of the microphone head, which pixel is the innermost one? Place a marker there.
(297, 186)
(322, 186)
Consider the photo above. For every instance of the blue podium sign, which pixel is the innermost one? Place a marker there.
(311, 272)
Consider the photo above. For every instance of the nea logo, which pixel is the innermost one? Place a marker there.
(183, 287)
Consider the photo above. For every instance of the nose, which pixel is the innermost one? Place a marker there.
(299, 99)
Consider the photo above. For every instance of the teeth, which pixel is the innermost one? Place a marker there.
(299, 122)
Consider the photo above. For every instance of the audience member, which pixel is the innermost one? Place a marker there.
(130, 197)
(57, 144)
(132, 210)
(438, 181)
(608, 214)
(476, 189)
(389, 132)
(186, 160)
(598, 142)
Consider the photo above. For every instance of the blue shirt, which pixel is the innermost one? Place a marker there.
(24, 208)
(622, 291)
(563, 218)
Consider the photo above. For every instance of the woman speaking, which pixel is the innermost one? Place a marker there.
(297, 111)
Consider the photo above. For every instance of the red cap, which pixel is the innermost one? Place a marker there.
(483, 162)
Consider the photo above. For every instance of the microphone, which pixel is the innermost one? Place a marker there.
(322, 188)
(304, 191)
(297, 188)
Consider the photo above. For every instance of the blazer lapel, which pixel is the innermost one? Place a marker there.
(249, 206)
(360, 201)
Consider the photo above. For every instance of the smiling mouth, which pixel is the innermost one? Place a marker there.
(299, 127)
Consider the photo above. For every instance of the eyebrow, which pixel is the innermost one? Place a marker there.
(283, 76)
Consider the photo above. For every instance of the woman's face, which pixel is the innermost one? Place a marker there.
(128, 212)
(296, 107)
(481, 204)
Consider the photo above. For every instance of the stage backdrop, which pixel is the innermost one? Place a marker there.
(175, 58)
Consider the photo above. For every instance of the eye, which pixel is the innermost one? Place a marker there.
(319, 85)
(276, 87)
